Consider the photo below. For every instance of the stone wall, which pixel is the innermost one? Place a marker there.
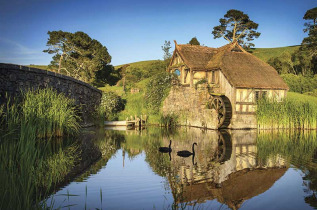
(190, 105)
(15, 79)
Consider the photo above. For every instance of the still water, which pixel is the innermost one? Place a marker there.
(230, 170)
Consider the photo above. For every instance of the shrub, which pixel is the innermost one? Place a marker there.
(111, 104)
(157, 89)
(169, 120)
(299, 83)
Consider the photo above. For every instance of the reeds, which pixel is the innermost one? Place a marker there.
(295, 112)
(26, 164)
(51, 112)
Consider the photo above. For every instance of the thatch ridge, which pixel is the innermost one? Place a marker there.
(195, 57)
(244, 70)
(241, 69)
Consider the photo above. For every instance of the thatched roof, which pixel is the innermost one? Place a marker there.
(240, 186)
(195, 57)
(242, 69)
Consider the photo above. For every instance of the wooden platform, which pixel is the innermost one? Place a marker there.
(119, 123)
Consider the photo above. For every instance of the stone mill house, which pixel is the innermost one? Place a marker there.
(219, 87)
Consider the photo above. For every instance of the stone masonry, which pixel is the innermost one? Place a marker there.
(14, 79)
(189, 105)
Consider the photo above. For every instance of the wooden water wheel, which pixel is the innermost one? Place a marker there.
(223, 108)
(224, 149)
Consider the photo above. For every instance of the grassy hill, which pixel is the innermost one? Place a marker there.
(266, 53)
(263, 53)
(139, 64)
(44, 67)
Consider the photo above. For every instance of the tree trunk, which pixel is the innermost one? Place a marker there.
(60, 63)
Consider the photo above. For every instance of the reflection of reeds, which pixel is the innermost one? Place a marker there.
(27, 169)
(296, 112)
(296, 147)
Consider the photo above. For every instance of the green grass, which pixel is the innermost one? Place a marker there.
(297, 111)
(266, 53)
(301, 97)
(52, 113)
(28, 169)
(116, 89)
(44, 67)
(139, 64)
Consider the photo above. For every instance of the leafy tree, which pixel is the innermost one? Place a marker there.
(166, 49)
(237, 26)
(311, 17)
(283, 63)
(106, 75)
(76, 54)
(194, 41)
(310, 43)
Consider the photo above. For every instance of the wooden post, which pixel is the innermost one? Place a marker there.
(141, 120)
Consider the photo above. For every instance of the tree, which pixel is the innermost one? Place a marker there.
(166, 49)
(311, 17)
(310, 43)
(76, 54)
(106, 75)
(194, 41)
(237, 26)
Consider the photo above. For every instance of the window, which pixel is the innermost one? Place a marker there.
(260, 94)
(177, 72)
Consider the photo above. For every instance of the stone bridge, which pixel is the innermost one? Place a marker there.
(15, 79)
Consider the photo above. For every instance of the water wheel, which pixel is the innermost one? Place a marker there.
(223, 108)
(224, 149)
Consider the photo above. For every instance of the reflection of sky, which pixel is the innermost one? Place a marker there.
(136, 30)
(135, 186)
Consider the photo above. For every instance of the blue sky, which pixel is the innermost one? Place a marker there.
(135, 30)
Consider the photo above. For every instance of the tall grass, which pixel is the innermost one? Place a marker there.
(51, 112)
(295, 112)
(27, 170)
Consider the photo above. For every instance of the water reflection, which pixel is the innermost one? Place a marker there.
(228, 168)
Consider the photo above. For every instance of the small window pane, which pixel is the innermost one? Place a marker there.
(177, 72)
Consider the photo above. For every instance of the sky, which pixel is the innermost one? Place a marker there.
(135, 30)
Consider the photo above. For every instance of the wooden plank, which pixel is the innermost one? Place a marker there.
(246, 113)
(117, 123)
(245, 103)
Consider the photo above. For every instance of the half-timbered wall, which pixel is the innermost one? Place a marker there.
(178, 64)
(225, 87)
(246, 98)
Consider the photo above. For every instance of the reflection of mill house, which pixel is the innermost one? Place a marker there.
(236, 80)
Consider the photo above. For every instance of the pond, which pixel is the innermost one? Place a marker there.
(230, 169)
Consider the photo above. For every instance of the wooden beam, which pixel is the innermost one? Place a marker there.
(191, 73)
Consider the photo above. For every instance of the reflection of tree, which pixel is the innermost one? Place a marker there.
(299, 148)
(108, 143)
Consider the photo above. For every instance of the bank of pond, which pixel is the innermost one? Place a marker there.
(45, 154)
